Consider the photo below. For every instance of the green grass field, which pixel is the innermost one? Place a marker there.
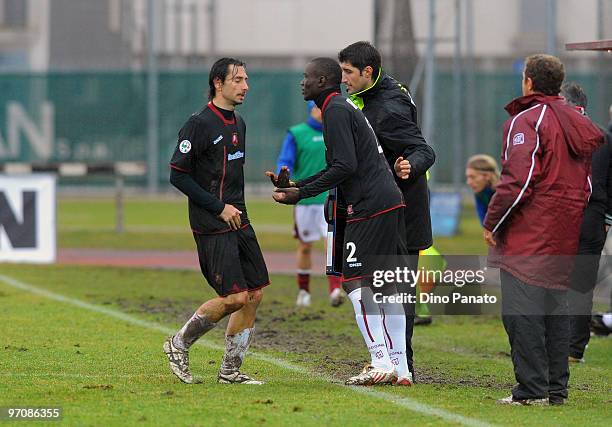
(164, 225)
(89, 340)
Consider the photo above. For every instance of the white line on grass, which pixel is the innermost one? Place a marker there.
(404, 402)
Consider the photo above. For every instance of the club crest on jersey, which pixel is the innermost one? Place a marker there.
(234, 139)
(185, 146)
(518, 139)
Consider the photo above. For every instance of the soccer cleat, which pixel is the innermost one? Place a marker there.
(179, 361)
(303, 299)
(371, 375)
(510, 400)
(404, 381)
(236, 378)
(336, 297)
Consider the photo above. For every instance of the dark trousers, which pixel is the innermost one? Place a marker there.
(537, 325)
(584, 279)
(409, 309)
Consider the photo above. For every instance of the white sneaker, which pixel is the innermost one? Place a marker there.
(237, 378)
(303, 299)
(524, 402)
(336, 297)
(371, 375)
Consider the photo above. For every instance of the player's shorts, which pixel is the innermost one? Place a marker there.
(310, 224)
(232, 262)
(369, 242)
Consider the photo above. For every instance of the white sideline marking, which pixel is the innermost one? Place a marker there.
(404, 402)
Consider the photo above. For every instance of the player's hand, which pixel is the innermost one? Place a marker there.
(231, 216)
(489, 239)
(287, 196)
(402, 168)
(282, 179)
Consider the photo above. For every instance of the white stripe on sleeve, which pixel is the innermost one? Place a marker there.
(518, 198)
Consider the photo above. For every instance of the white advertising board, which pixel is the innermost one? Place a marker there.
(27, 218)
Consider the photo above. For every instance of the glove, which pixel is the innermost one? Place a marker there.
(282, 180)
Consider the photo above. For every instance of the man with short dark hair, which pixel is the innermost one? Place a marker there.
(532, 226)
(374, 206)
(207, 166)
(393, 115)
(595, 225)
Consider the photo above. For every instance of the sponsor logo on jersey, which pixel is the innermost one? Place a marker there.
(219, 138)
(236, 155)
(185, 146)
(518, 139)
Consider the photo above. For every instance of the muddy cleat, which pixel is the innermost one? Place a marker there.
(303, 299)
(510, 400)
(404, 381)
(179, 361)
(336, 297)
(236, 378)
(371, 375)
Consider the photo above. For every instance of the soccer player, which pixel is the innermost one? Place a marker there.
(390, 109)
(207, 166)
(303, 153)
(374, 206)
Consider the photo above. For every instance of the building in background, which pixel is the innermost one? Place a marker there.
(24, 34)
(112, 34)
(74, 81)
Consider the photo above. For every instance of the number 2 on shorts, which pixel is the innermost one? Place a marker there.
(350, 246)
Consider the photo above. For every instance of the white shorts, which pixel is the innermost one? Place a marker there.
(310, 224)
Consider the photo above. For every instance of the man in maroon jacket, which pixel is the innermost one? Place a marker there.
(533, 224)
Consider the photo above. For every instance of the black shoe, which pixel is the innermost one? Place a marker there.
(422, 320)
(598, 327)
(554, 400)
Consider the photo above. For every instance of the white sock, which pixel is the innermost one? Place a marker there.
(195, 327)
(394, 326)
(236, 347)
(371, 327)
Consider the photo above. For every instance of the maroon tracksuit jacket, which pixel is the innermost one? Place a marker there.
(538, 205)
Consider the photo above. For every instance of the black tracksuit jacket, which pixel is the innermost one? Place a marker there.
(393, 115)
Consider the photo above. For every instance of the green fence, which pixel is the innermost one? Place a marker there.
(101, 116)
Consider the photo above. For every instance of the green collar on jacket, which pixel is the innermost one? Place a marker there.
(357, 99)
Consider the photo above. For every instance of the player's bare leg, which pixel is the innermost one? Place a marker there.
(304, 264)
(238, 337)
(203, 320)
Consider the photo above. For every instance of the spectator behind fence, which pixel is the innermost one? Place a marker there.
(481, 175)
(533, 224)
(303, 153)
